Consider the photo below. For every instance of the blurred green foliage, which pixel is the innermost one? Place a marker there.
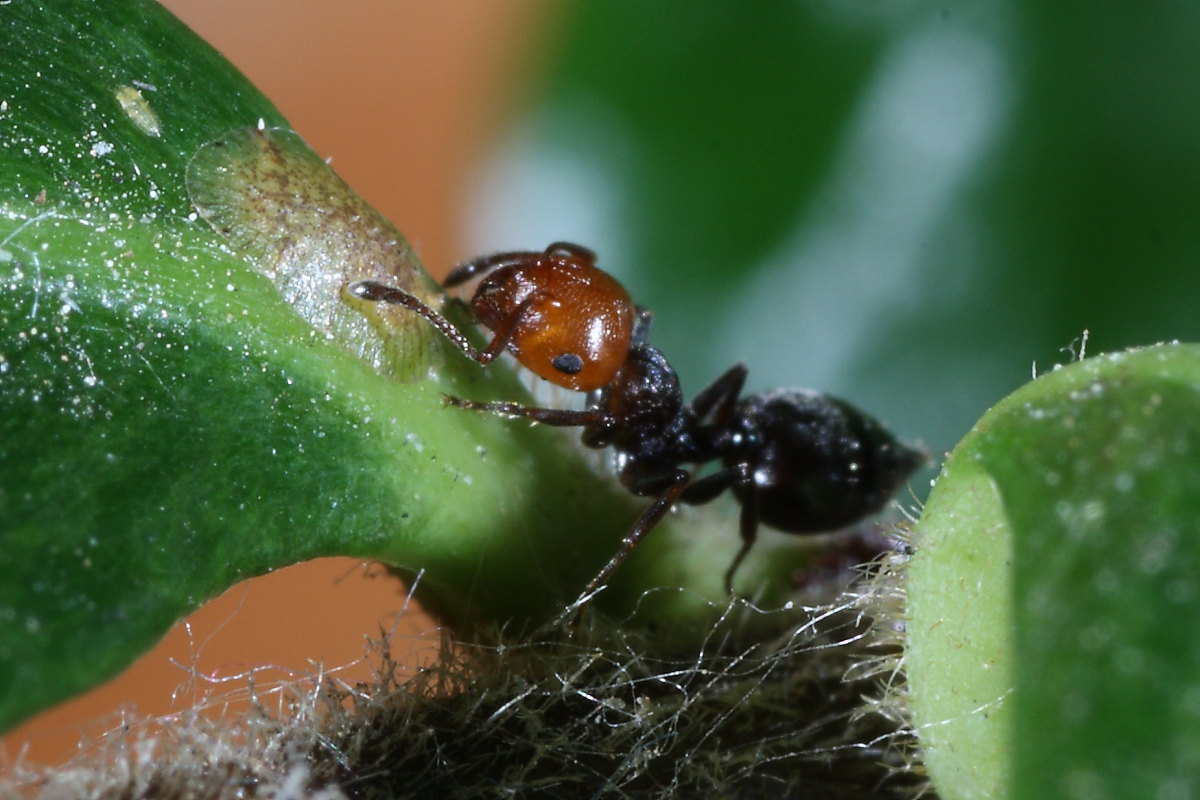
(908, 204)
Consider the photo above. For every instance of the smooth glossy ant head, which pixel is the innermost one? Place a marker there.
(560, 316)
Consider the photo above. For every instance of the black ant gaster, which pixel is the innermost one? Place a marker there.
(799, 461)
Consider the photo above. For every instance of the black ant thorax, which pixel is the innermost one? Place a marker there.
(643, 408)
(799, 461)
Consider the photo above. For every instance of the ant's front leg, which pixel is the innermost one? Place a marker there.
(560, 417)
(382, 293)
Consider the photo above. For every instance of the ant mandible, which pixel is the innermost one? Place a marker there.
(799, 461)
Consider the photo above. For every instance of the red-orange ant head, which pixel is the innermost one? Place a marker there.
(565, 320)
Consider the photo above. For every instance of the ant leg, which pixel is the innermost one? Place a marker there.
(719, 396)
(382, 293)
(709, 487)
(466, 271)
(560, 417)
(504, 334)
(645, 523)
(702, 490)
(748, 527)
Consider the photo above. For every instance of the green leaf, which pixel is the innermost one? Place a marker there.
(1053, 635)
(187, 399)
(903, 204)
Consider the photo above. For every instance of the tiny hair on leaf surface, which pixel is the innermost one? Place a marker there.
(1052, 594)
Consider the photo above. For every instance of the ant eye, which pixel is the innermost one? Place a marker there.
(570, 363)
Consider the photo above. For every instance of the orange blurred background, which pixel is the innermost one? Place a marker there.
(402, 95)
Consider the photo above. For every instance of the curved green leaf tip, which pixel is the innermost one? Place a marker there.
(169, 423)
(187, 398)
(1054, 595)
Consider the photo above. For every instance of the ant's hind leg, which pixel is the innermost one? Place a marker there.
(703, 490)
(710, 487)
(748, 527)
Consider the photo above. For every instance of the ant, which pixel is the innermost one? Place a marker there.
(799, 461)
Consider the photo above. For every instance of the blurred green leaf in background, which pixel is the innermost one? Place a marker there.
(917, 206)
(906, 204)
